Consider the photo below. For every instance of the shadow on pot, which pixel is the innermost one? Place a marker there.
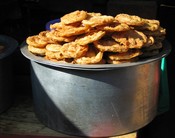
(49, 112)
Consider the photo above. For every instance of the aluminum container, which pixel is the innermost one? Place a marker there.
(6, 75)
(95, 100)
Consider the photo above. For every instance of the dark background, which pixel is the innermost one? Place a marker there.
(21, 18)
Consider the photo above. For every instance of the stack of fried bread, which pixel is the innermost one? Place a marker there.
(82, 37)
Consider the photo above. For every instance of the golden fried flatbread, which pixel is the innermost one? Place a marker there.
(37, 51)
(151, 25)
(54, 55)
(110, 46)
(130, 38)
(71, 30)
(159, 32)
(43, 36)
(74, 17)
(125, 55)
(36, 41)
(132, 20)
(89, 37)
(122, 61)
(53, 47)
(150, 41)
(91, 14)
(115, 27)
(73, 50)
(98, 20)
(91, 57)
(83, 37)
(54, 35)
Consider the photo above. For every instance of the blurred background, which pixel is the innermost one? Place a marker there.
(21, 18)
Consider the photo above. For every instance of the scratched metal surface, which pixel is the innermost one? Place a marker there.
(20, 120)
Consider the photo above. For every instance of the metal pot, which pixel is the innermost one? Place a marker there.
(95, 100)
(6, 75)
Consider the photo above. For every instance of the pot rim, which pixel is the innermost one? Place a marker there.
(164, 52)
(10, 44)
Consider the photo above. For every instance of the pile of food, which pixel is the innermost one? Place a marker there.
(82, 37)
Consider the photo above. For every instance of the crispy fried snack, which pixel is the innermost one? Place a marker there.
(57, 56)
(73, 50)
(151, 25)
(115, 27)
(150, 41)
(89, 37)
(37, 51)
(109, 45)
(91, 57)
(53, 51)
(122, 61)
(54, 35)
(130, 38)
(36, 41)
(131, 20)
(53, 47)
(83, 37)
(98, 20)
(56, 26)
(91, 14)
(70, 30)
(74, 17)
(43, 36)
(125, 55)
(159, 32)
